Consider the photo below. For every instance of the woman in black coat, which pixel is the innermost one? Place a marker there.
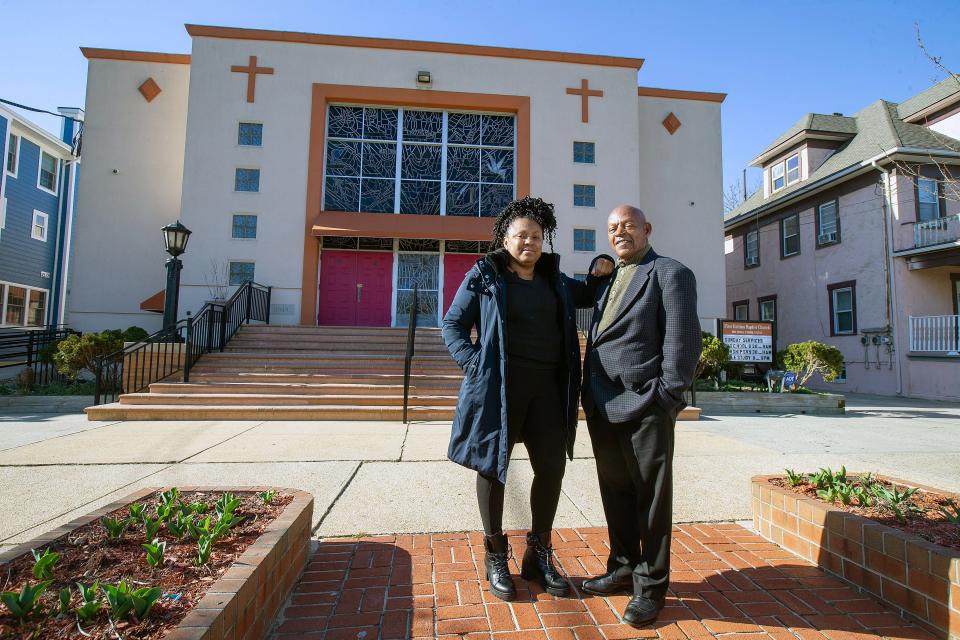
(522, 380)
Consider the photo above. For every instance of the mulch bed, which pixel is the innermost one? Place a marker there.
(87, 555)
(926, 522)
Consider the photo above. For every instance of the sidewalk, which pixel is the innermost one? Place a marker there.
(726, 582)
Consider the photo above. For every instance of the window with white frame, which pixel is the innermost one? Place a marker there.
(584, 195)
(584, 152)
(793, 168)
(250, 134)
(843, 309)
(38, 231)
(768, 309)
(244, 227)
(405, 160)
(584, 240)
(777, 180)
(247, 180)
(13, 153)
(790, 236)
(240, 272)
(22, 306)
(785, 172)
(741, 310)
(49, 168)
(928, 199)
(751, 248)
(828, 224)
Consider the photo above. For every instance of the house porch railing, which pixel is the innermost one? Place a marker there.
(934, 334)
(939, 231)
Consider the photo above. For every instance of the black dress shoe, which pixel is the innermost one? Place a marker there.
(642, 610)
(609, 583)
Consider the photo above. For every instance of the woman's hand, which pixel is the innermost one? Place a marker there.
(602, 267)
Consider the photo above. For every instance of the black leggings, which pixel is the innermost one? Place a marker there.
(535, 417)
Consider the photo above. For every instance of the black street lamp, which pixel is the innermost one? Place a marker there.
(175, 238)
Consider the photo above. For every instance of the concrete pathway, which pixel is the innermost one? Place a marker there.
(374, 477)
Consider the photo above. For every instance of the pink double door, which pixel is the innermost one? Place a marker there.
(355, 288)
(455, 267)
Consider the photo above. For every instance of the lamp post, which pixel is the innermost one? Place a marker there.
(175, 238)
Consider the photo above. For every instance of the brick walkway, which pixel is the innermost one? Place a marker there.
(725, 580)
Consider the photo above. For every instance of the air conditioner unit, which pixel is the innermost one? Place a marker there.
(753, 261)
(827, 238)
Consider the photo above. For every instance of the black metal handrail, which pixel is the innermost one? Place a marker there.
(175, 349)
(32, 348)
(408, 360)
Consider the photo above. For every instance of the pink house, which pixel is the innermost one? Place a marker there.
(854, 240)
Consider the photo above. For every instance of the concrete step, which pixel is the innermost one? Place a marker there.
(118, 411)
(330, 378)
(293, 388)
(283, 399)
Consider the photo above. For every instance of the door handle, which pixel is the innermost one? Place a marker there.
(359, 291)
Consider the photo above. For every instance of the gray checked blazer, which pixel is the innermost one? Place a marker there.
(649, 352)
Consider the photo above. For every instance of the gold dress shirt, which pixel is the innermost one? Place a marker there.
(621, 281)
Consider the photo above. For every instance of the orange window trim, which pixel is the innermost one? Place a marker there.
(266, 35)
(324, 94)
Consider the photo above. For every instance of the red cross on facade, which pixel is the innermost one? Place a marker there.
(585, 94)
(252, 70)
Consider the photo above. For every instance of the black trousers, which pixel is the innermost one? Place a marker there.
(535, 416)
(635, 468)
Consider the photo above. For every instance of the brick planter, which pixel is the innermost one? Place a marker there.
(243, 603)
(917, 577)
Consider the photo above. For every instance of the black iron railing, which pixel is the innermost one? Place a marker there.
(176, 349)
(408, 359)
(33, 349)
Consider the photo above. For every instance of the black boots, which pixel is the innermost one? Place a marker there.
(498, 569)
(538, 565)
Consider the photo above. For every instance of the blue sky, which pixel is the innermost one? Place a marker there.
(776, 60)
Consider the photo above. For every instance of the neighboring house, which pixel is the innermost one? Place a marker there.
(343, 171)
(854, 240)
(36, 207)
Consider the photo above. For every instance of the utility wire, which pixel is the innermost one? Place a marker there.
(35, 110)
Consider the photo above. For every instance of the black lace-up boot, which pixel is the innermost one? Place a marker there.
(498, 569)
(538, 565)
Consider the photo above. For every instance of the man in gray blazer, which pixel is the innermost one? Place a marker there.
(642, 351)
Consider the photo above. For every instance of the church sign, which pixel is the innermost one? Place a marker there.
(749, 342)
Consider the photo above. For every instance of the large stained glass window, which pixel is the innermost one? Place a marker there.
(392, 160)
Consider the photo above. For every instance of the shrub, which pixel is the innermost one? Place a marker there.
(134, 334)
(808, 358)
(713, 358)
(78, 352)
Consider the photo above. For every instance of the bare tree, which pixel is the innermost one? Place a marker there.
(733, 196)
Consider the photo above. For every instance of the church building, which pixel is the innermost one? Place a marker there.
(344, 171)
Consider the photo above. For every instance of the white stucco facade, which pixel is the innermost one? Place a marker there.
(191, 131)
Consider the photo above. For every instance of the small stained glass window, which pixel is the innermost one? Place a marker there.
(584, 195)
(250, 134)
(240, 272)
(247, 180)
(244, 226)
(584, 240)
(584, 152)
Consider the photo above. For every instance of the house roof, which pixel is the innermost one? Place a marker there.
(814, 123)
(876, 129)
(932, 96)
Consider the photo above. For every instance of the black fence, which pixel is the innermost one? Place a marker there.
(176, 349)
(33, 349)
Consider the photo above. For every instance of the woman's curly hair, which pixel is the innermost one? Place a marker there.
(533, 208)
